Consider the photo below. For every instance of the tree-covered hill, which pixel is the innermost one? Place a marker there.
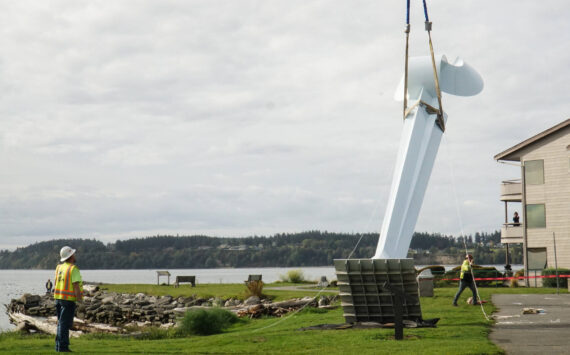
(312, 248)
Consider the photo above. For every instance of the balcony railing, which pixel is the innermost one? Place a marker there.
(511, 190)
(511, 233)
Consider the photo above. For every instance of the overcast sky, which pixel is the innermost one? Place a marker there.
(123, 119)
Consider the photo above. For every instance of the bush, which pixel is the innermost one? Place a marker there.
(294, 276)
(205, 322)
(515, 282)
(551, 282)
(254, 288)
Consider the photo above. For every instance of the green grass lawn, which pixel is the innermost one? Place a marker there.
(461, 330)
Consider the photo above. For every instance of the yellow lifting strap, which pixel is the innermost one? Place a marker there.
(406, 72)
(440, 122)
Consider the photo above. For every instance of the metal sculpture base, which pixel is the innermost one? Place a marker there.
(378, 290)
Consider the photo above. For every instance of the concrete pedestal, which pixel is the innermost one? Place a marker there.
(425, 283)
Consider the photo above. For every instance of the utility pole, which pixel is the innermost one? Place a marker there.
(556, 264)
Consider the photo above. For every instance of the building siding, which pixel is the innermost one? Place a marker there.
(554, 194)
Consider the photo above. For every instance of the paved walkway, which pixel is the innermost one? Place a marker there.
(543, 333)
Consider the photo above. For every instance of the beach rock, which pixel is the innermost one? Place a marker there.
(196, 302)
(252, 300)
(90, 289)
(30, 300)
(324, 301)
(217, 302)
(232, 302)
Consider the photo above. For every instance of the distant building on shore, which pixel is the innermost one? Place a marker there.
(544, 193)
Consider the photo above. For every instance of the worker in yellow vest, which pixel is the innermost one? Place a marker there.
(466, 279)
(68, 290)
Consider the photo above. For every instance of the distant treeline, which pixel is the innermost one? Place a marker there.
(312, 248)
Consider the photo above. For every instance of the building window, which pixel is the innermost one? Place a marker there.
(536, 258)
(534, 172)
(535, 216)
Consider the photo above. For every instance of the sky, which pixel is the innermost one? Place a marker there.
(123, 119)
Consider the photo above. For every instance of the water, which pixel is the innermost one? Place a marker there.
(17, 282)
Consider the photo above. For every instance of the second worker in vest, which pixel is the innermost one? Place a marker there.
(68, 290)
(466, 280)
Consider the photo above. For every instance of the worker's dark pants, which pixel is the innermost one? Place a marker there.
(462, 286)
(65, 312)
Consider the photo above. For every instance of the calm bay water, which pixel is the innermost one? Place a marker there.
(17, 282)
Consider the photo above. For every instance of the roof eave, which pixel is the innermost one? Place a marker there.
(511, 153)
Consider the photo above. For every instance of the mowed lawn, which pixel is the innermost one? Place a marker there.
(461, 330)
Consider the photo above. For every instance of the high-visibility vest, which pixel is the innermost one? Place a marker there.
(63, 285)
(465, 268)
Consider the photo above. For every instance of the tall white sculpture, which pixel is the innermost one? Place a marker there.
(420, 140)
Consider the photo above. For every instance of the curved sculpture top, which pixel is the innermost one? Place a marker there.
(456, 78)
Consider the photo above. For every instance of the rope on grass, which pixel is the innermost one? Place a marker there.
(282, 319)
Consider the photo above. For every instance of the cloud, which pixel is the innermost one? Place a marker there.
(253, 117)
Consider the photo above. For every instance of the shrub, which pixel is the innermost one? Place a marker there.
(551, 282)
(205, 322)
(254, 288)
(294, 276)
(515, 282)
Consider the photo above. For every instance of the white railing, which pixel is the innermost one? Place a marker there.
(511, 190)
(511, 233)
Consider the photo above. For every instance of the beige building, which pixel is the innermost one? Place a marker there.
(544, 193)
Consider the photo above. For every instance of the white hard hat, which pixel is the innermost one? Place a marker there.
(65, 253)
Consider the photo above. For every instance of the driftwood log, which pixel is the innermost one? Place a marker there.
(40, 324)
(276, 309)
(49, 325)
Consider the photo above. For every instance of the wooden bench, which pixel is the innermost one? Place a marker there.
(253, 278)
(190, 279)
(162, 273)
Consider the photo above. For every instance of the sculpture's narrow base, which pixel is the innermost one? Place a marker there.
(370, 290)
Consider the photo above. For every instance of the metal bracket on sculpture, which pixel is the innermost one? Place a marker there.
(430, 110)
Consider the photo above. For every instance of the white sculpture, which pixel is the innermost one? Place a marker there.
(420, 140)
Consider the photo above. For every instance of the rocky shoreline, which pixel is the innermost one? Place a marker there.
(116, 312)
